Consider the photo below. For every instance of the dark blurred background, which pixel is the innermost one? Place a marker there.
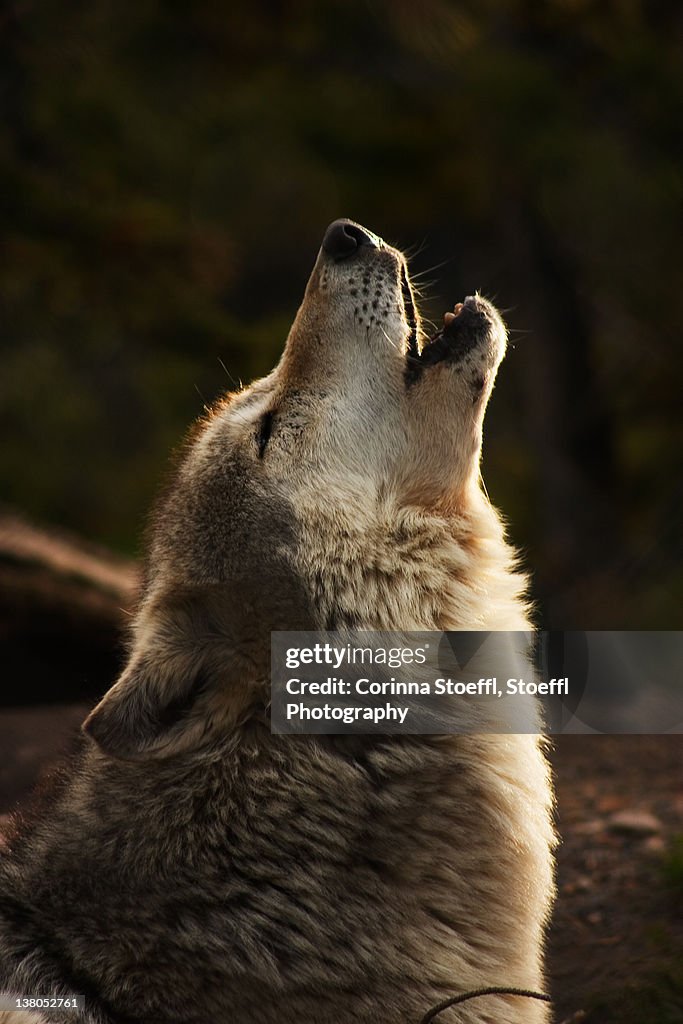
(166, 174)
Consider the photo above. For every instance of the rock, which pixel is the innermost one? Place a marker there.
(589, 828)
(634, 822)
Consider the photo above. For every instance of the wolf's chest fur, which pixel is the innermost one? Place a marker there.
(400, 568)
(292, 861)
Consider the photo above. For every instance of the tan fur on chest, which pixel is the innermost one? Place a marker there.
(405, 568)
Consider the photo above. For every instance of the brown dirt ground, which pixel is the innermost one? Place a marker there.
(616, 942)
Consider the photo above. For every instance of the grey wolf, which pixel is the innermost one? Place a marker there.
(191, 866)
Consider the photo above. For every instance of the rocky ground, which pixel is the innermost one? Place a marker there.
(616, 944)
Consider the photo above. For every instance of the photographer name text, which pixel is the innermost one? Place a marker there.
(364, 687)
(335, 686)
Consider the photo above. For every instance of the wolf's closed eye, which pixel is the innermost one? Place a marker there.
(265, 429)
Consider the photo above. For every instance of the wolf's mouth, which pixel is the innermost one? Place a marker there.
(410, 313)
(462, 330)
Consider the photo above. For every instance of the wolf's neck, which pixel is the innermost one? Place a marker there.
(400, 568)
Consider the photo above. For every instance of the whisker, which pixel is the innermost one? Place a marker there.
(483, 487)
(205, 404)
(240, 385)
(392, 343)
(415, 249)
(435, 266)
(423, 288)
(430, 323)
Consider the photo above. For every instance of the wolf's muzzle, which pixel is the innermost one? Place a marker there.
(343, 239)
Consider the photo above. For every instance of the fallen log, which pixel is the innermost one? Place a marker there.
(64, 604)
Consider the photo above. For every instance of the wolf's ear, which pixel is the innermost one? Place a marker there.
(187, 679)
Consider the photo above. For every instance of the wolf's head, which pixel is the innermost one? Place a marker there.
(318, 497)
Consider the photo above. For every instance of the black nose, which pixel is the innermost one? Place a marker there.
(343, 238)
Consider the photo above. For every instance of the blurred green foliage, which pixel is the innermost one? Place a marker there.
(167, 171)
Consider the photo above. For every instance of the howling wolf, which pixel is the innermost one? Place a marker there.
(192, 867)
